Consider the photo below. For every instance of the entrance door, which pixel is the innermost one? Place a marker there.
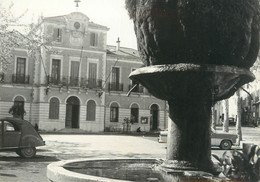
(72, 112)
(154, 117)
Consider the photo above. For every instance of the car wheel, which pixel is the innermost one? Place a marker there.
(28, 152)
(225, 145)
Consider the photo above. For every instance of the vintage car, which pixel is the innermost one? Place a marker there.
(218, 139)
(20, 136)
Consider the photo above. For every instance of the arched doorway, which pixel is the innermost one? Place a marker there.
(72, 112)
(154, 111)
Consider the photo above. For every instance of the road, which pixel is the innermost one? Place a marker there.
(65, 147)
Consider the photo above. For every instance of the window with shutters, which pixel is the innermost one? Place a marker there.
(74, 73)
(115, 85)
(93, 39)
(55, 72)
(91, 110)
(57, 34)
(92, 75)
(20, 76)
(54, 108)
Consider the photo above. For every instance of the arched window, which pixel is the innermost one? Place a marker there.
(134, 113)
(54, 108)
(91, 110)
(114, 112)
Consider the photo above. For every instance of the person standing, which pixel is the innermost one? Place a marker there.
(17, 110)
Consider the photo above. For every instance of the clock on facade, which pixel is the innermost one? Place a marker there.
(77, 25)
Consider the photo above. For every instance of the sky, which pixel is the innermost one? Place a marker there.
(110, 13)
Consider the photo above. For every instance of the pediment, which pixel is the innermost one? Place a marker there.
(77, 16)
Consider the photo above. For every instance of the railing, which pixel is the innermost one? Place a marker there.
(20, 79)
(53, 80)
(75, 82)
(115, 87)
(137, 89)
(91, 83)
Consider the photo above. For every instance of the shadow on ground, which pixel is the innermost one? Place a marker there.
(37, 158)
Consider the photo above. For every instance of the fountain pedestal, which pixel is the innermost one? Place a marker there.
(190, 90)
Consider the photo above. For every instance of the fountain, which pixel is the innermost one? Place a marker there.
(195, 53)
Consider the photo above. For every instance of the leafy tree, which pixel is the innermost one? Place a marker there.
(13, 34)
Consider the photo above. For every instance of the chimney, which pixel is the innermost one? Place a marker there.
(118, 44)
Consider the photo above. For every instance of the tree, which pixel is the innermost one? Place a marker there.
(213, 119)
(9, 37)
(27, 37)
(239, 112)
(226, 122)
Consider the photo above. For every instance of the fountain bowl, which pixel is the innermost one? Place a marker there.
(178, 81)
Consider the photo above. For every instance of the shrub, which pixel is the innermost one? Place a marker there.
(243, 165)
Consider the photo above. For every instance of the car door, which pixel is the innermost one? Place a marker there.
(213, 139)
(12, 135)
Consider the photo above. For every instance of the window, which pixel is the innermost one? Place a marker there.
(20, 70)
(9, 127)
(55, 72)
(115, 85)
(134, 113)
(92, 75)
(54, 108)
(91, 110)
(57, 34)
(93, 39)
(114, 112)
(74, 73)
(137, 88)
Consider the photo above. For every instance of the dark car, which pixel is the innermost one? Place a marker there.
(20, 136)
(232, 121)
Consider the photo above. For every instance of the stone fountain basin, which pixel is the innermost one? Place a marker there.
(179, 81)
(118, 170)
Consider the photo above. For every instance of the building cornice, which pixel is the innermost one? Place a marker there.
(84, 50)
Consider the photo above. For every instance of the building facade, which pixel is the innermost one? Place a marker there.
(78, 82)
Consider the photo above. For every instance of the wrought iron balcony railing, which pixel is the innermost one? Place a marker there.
(137, 89)
(54, 80)
(20, 78)
(115, 87)
(75, 82)
(91, 83)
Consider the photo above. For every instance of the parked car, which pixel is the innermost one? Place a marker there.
(232, 121)
(20, 136)
(218, 139)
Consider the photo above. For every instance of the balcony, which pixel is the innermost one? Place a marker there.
(54, 81)
(76, 82)
(137, 89)
(115, 87)
(91, 83)
(20, 79)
